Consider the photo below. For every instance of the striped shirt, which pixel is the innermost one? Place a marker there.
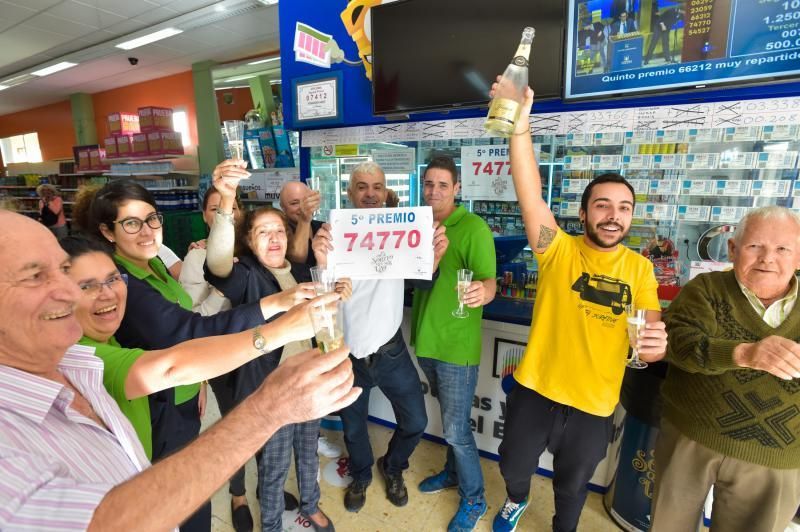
(776, 313)
(56, 465)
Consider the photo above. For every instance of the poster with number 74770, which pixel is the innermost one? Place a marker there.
(382, 243)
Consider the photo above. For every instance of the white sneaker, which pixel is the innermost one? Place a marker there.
(327, 448)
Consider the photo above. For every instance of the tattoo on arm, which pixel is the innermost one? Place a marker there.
(546, 236)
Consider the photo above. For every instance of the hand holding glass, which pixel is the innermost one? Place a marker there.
(636, 324)
(464, 278)
(315, 185)
(326, 319)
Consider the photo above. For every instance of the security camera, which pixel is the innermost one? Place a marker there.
(133, 61)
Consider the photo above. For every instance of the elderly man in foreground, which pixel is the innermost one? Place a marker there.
(731, 401)
(69, 460)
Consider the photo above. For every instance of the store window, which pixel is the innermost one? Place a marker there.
(180, 123)
(21, 149)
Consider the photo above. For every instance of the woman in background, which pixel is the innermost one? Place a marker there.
(51, 210)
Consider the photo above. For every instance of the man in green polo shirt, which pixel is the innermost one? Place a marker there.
(449, 348)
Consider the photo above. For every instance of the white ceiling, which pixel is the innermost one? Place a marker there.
(38, 33)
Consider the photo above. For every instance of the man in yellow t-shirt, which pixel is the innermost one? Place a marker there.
(568, 382)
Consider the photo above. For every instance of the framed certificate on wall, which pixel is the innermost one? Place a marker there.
(317, 100)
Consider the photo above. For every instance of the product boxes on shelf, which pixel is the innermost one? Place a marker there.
(124, 146)
(140, 148)
(165, 143)
(123, 123)
(83, 160)
(155, 119)
(111, 147)
(97, 159)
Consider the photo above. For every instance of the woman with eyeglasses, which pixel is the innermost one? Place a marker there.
(131, 374)
(158, 313)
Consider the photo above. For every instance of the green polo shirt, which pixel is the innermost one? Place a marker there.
(117, 362)
(172, 291)
(435, 333)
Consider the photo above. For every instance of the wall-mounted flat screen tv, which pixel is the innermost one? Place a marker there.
(619, 47)
(444, 54)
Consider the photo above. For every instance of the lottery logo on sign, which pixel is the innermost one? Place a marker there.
(382, 243)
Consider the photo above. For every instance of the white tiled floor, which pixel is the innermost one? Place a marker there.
(424, 513)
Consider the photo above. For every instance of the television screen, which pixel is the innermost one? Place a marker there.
(617, 47)
(439, 54)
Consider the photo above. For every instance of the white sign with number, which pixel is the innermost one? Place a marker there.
(486, 174)
(382, 243)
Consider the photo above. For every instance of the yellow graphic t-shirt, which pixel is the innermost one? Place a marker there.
(578, 339)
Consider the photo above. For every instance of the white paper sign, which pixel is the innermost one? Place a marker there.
(772, 188)
(737, 160)
(733, 187)
(697, 187)
(606, 162)
(399, 161)
(579, 139)
(665, 187)
(727, 214)
(608, 139)
(267, 184)
(637, 162)
(742, 133)
(574, 186)
(639, 137)
(486, 173)
(570, 208)
(382, 243)
(668, 161)
(786, 159)
(702, 161)
(657, 211)
(705, 135)
(317, 100)
(578, 162)
(694, 213)
(640, 186)
(670, 135)
(780, 132)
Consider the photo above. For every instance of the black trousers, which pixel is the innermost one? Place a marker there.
(577, 440)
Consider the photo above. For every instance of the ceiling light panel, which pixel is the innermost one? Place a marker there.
(149, 38)
(58, 67)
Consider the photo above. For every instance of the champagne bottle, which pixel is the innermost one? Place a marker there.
(505, 107)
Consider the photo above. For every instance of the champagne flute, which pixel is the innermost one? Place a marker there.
(326, 319)
(234, 130)
(315, 185)
(464, 278)
(636, 324)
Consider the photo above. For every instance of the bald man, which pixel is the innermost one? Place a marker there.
(299, 203)
(69, 460)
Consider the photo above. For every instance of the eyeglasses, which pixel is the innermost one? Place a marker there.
(93, 289)
(134, 225)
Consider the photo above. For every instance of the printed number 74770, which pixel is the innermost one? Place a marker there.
(369, 242)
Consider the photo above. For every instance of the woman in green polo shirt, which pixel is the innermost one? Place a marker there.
(131, 374)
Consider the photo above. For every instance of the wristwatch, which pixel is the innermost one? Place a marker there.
(259, 342)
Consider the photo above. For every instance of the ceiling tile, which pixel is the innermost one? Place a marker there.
(36, 5)
(124, 8)
(157, 15)
(21, 42)
(13, 14)
(59, 26)
(80, 13)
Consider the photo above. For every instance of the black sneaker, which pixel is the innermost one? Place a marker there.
(355, 496)
(396, 490)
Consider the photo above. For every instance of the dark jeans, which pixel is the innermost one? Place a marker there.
(184, 427)
(578, 441)
(658, 35)
(390, 368)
